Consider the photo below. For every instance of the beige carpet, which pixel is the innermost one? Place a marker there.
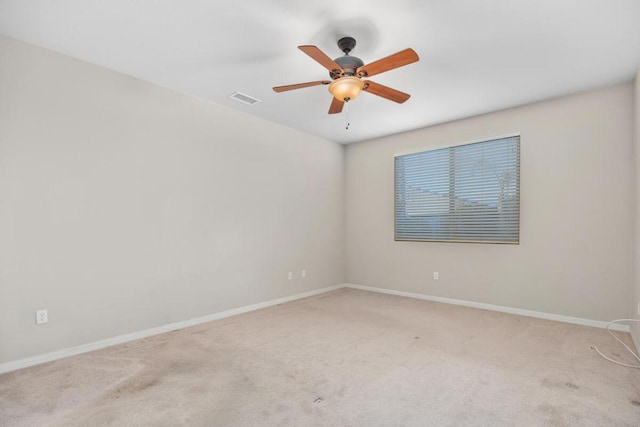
(345, 358)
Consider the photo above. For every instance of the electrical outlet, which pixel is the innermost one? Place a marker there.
(303, 274)
(290, 275)
(42, 316)
(436, 276)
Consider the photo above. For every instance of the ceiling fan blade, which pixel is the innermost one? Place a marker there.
(396, 60)
(320, 57)
(300, 85)
(336, 106)
(385, 92)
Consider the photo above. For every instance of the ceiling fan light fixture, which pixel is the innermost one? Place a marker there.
(346, 88)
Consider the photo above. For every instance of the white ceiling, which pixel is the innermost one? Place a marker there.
(475, 56)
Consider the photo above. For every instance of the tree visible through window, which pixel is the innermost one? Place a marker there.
(465, 193)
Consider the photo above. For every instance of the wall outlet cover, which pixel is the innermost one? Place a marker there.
(42, 316)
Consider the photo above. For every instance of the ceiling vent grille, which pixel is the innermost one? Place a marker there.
(244, 98)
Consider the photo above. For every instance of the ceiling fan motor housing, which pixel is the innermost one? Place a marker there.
(349, 64)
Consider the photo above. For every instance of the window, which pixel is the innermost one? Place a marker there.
(466, 193)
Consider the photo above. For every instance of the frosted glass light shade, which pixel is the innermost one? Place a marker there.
(346, 88)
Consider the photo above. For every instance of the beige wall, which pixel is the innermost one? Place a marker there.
(635, 301)
(125, 206)
(574, 258)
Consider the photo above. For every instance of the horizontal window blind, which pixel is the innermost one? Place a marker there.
(466, 193)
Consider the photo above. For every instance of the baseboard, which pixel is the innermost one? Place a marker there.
(96, 345)
(635, 337)
(503, 309)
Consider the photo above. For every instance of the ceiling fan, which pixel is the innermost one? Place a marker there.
(347, 73)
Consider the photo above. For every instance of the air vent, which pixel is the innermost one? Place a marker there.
(246, 99)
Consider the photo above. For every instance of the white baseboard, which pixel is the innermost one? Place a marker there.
(635, 337)
(503, 309)
(85, 348)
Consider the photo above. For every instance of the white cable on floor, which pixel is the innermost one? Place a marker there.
(620, 341)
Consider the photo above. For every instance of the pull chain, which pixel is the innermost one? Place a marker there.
(346, 114)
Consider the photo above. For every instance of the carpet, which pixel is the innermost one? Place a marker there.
(343, 358)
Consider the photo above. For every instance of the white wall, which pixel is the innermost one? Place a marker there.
(125, 206)
(574, 256)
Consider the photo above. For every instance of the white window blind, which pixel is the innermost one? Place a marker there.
(466, 193)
